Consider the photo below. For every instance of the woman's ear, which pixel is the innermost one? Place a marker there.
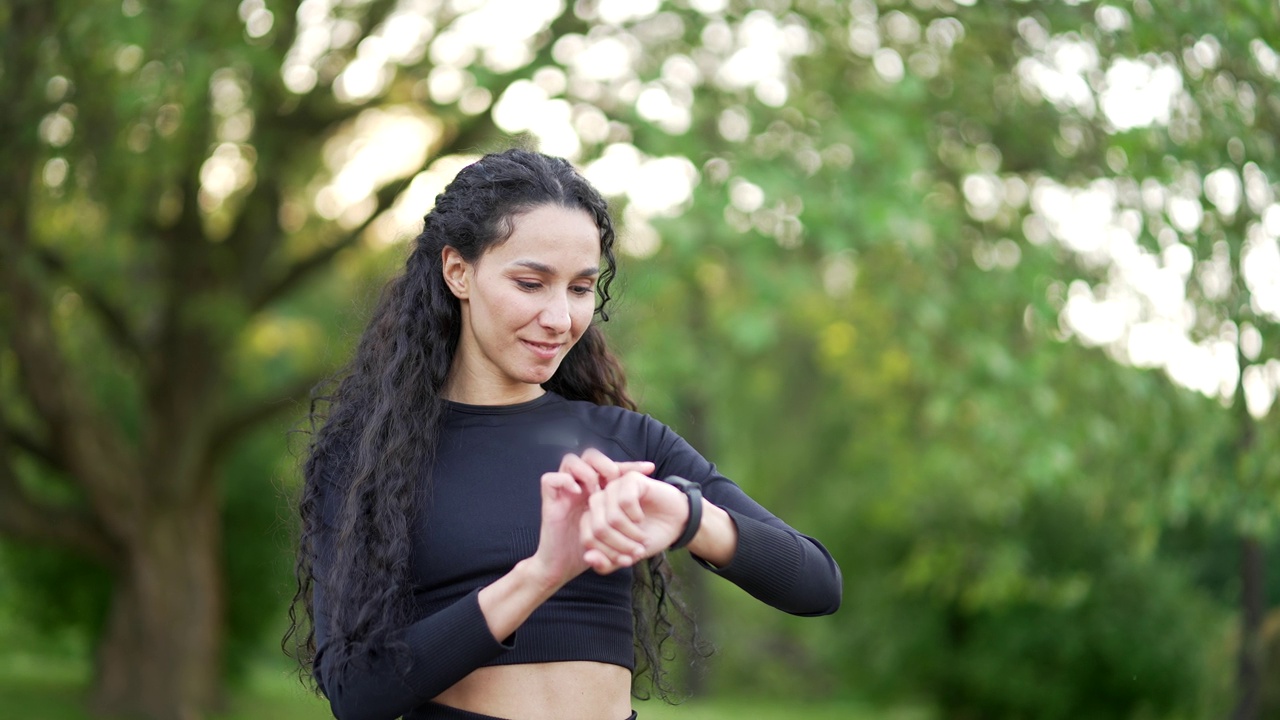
(455, 269)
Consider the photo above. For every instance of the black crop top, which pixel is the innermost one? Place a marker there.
(482, 516)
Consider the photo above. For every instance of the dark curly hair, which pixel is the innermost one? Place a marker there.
(381, 420)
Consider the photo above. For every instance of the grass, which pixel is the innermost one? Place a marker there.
(38, 688)
(33, 688)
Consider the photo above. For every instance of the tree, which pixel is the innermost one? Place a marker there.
(155, 219)
(1161, 128)
(995, 114)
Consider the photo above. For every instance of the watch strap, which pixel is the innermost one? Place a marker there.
(693, 491)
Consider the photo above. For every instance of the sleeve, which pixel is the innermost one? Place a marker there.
(773, 562)
(442, 649)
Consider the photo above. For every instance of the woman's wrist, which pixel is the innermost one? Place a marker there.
(508, 601)
(717, 538)
(534, 575)
(693, 519)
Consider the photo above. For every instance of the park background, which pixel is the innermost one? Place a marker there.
(982, 294)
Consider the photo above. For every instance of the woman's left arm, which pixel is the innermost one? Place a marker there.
(717, 538)
(763, 555)
(738, 539)
(769, 559)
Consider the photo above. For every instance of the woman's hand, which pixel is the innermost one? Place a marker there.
(566, 494)
(632, 517)
(604, 515)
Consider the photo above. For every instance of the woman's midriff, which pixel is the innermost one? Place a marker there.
(572, 690)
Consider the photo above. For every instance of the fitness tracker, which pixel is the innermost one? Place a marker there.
(694, 492)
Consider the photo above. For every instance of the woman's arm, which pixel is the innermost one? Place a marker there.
(381, 685)
(717, 538)
(739, 540)
(772, 561)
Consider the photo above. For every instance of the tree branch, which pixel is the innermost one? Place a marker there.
(113, 320)
(316, 110)
(24, 518)
(302, 269)
(238, 422)
(28, 444)
(92, 450)
(467, 138)
(310, 114)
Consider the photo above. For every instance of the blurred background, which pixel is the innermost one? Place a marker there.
(984, 295)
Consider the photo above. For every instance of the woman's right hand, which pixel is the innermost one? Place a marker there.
(565, 499)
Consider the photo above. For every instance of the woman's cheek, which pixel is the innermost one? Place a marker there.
(583, 315)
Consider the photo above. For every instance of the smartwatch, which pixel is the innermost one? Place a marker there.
(693, 491)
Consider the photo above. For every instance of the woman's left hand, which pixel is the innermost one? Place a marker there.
(631, 517)
(565, 494)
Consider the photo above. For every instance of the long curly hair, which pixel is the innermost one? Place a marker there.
(379, 422)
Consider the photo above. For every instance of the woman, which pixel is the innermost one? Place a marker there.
(483, 523)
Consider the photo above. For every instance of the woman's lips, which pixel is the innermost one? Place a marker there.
(545, 351)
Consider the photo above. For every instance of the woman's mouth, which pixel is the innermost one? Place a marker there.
(546, 351)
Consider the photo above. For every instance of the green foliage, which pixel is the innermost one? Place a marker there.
(257, 502)
(1103, 634)
(50, 594)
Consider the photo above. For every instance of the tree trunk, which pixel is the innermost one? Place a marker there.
(696, 595)
(160, 656)
(1252, 608)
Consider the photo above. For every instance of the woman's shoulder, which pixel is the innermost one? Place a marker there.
(635, 427)
(586, 408)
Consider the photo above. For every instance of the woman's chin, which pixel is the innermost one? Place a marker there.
(548, 373)
(540, 375)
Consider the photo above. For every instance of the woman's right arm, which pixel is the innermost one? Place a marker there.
(441, 650)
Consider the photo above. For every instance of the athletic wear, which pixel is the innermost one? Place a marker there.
(482, 515)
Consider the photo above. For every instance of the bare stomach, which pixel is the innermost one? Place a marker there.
(573, 690)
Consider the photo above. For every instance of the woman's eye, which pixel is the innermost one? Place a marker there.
(582, 290)
(527, 285)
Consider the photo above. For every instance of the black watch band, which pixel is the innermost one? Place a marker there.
(693, 491)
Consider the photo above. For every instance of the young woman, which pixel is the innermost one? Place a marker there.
(484, 514)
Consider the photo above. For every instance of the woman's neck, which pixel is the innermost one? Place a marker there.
(467, 388)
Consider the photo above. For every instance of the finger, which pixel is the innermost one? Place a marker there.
(581, 471)
(600, 563)
(628, 491)
(612, 557)
(558, 491)
(608, 469)
(605, 562)
(611, 528)
(554, 483)
(644, 467)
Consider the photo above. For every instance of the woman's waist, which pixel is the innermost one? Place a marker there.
(568, 690)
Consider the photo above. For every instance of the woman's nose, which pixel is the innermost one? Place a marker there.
(555, 315)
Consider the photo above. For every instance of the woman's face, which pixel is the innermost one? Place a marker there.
(525, 302)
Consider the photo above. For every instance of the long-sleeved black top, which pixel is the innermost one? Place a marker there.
(480, 514)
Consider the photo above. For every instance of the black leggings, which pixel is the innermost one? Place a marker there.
(436, 711)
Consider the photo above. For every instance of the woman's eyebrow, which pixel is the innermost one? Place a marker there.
(545, 269)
